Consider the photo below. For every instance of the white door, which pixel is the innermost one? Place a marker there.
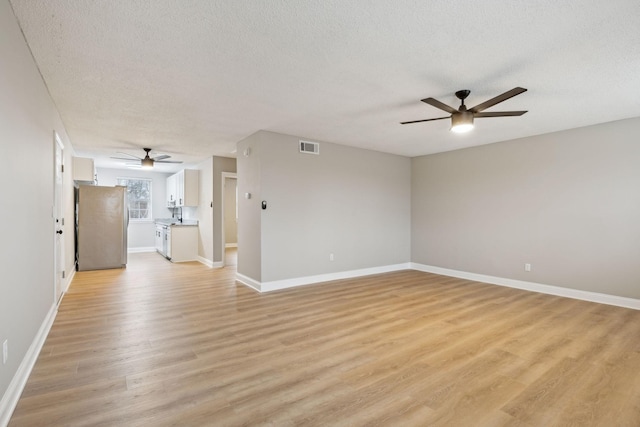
(59, 216)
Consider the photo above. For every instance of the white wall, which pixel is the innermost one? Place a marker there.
(567, 202)
(28, 119)
(141, 234)
(351, 202)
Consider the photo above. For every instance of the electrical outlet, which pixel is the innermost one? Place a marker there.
(5, 351)
(527, 267)
(331, 257)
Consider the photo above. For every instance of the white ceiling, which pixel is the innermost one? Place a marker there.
(192, 78)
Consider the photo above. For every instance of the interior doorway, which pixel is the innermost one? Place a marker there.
(229, 218)
(58, 208)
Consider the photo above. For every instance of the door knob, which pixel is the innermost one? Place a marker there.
(59, 231)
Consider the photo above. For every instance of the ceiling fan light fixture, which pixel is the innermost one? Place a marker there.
(462, 122)
(462, 118)
(146, 163)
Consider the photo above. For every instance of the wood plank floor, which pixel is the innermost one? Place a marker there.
(162, 344)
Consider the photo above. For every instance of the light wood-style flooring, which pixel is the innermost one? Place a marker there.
(162, 344)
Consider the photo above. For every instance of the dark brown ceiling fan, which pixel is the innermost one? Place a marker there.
(147, 162)
(462, 118)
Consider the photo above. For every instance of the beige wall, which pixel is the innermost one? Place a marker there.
(568, 203)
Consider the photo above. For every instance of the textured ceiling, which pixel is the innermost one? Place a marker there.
(192, 78)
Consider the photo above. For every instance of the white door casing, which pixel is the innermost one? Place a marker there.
(58, 213)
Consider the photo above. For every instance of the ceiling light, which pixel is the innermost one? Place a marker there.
(462, 122)
(147, 163)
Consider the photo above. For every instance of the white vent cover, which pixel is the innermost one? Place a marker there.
(309, 147)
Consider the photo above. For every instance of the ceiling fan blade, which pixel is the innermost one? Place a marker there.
(500, 98)
(161, 157)
(441, 105)
(168, 161)
(122, 158)
(425, 120)
(130, 155)
(499, 114)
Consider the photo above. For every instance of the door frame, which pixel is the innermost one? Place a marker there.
(223, 180)
(58, 219)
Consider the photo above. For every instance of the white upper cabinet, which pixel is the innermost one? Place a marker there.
(83, 169)
(182, 188)
(172, 191)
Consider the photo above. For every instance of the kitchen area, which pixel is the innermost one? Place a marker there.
(167, 223)
(176, 238)
(189, 213)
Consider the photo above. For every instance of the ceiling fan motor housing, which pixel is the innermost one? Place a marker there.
(461, 118)
(462, 94)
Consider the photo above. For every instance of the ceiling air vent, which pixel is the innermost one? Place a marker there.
(309, 147)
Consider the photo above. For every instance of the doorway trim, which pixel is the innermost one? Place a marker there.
(58, 219)
(224, 176)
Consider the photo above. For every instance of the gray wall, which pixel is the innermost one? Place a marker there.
(249, 223)
(141, 234)
(209, 212)
(230, 224)
(567, 202)
(351, 202)
(28, 119)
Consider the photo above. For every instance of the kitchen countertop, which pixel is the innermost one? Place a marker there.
(174, 222)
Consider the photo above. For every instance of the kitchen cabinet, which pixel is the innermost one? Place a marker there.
(83, 169)
(159, 238)
(182, 243)
(172, 191)
(182, 188)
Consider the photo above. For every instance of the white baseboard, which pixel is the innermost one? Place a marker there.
(248, 281)
(534, 287)
(16, 386)
(205, 261)
(141, 249)
(69, 279)
(209, 263)
(230, 245)
(501, 281)
(308, 280)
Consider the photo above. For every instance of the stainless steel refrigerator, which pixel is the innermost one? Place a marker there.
(102, 218)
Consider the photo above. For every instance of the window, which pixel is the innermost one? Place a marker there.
(139, 198)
